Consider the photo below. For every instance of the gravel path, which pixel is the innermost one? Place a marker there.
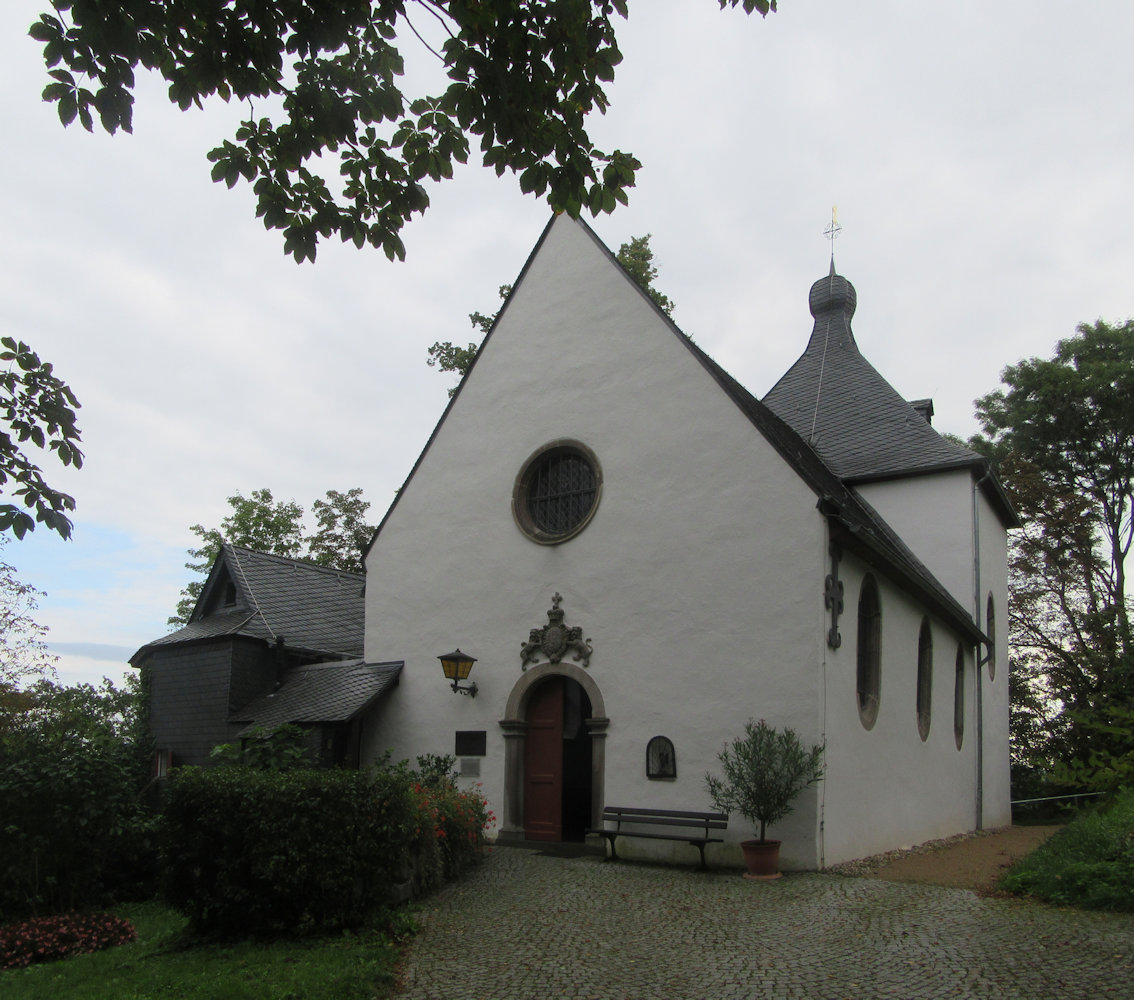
(525, 926)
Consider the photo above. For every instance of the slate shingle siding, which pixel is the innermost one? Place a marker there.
(190, 691)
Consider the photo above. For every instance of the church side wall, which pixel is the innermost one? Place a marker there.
(994, 676)
(698, 580)
(935, 516)
(885, 786)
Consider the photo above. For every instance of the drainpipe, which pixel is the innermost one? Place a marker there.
(978, 661)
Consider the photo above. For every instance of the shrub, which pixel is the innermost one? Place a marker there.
(455, 821)
(70, 775)
(284, 748)
(44, 939)
(1089, 863)
(250, 852)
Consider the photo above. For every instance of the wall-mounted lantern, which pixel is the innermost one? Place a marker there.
(457, 666)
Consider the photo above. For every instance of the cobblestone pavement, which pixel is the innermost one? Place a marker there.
(524, 926)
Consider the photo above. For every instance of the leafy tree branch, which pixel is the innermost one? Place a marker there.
(522, 80)
(36, 408)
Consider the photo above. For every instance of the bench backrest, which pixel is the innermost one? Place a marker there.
(665, 817)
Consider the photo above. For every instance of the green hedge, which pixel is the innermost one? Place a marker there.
(253, 852)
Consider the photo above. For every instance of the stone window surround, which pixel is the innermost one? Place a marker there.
(520, 510)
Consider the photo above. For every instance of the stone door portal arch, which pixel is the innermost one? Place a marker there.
(524, 695)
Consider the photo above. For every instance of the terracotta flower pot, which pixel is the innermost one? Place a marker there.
(761, 858)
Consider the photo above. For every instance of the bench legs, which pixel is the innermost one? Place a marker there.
(610, 835)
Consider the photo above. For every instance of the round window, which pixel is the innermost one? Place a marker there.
(556, 492)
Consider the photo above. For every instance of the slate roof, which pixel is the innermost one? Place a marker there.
(314, 609)
(835, 399)
(321, 692)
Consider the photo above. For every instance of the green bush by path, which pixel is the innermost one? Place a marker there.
(1088, 864)
(250, 852)
(164, 962)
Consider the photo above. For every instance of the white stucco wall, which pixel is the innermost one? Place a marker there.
(699, 579)
(886, 787)
(993, 579)
(933, 514)
(952, 528)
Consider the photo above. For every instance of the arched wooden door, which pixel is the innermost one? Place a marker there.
(557, 762)
(543, 763)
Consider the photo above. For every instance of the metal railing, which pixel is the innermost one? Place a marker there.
(1055, 798)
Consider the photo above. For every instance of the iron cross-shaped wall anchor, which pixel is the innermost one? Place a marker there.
(833, 597)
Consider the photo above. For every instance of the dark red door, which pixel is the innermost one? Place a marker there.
(543, 763)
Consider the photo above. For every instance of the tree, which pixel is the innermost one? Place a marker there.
(1062, 435)
(522, 79)
(263, 523)
(343, 533)
(448, 357)
(636, 257)
(36, 406)
(24, 656)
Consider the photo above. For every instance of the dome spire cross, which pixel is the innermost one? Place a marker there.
(832, 233)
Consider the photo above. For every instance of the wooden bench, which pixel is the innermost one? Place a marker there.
(696, 827)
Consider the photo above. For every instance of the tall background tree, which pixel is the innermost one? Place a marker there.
(1061, 432)
(261, 522)
(322, 81)
(24, 656)
(636, 256)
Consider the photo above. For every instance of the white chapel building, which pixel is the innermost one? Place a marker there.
(642, 556)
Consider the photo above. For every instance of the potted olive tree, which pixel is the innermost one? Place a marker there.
(764, 771)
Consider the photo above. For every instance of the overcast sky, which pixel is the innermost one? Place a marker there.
(980, 155)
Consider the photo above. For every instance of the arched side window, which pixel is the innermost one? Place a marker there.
(990, 628)
(924, 679)
(869, 669)
(661, 761)
(959, 698)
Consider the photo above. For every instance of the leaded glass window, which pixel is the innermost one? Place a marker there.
(557, 492)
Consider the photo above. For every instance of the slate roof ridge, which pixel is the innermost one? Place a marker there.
(313, 607)
(304, 564)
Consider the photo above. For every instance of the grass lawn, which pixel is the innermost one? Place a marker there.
(164, 963)
(1089, 863)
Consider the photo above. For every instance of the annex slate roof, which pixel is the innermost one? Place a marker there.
(321, 692)
(835, 399)
(314, 609)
